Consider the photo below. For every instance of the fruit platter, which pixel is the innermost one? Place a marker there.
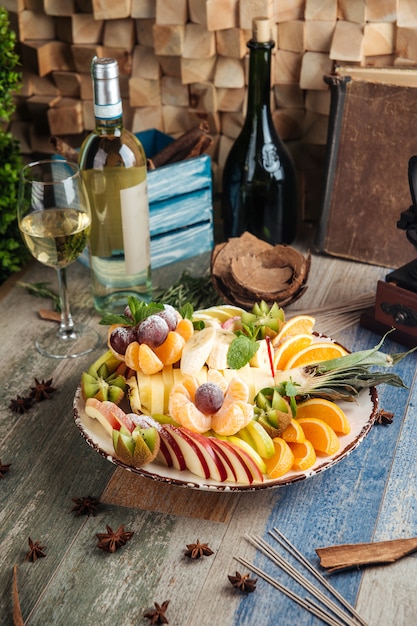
(226, 399)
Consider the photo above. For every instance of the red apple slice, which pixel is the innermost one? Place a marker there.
(103, 415)
(110, 408)
(215, 463)
(194, 457)
(241, 459)
(231, 472)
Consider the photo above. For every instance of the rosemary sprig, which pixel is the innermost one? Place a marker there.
(41, 290)
(194, 290)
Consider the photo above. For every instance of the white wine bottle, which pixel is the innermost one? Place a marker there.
(259, 192)
(113, 165)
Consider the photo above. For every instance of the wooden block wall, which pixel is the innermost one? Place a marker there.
(182, 60)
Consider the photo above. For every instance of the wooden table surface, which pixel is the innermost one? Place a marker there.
(369, 496)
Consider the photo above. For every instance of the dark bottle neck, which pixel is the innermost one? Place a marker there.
(259, 86)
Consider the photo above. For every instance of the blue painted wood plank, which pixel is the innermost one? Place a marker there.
(341, 505)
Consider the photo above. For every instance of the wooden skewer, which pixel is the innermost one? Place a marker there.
(308, 606)
(287, 545)
(266, 549)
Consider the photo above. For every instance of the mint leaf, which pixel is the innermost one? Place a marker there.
(111, 318)
(187, 310)
(240, 352)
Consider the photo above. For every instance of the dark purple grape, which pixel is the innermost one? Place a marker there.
(127, 312)
(208, 398)
(153, 331)
(121, 337)
(169, 314)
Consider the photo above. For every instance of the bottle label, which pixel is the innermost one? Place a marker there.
(135, 227)
(108, 111)
(270, 158)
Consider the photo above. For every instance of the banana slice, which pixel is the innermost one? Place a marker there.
(261, 356)
(196, 351)
(217, 358)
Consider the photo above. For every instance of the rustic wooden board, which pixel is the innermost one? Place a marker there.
(131, 490)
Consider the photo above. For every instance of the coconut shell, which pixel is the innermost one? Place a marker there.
(246, 269)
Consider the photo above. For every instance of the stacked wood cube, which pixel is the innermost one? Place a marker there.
(183, 60)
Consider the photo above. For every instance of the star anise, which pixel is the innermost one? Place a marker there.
(4, 468)
(87, 505)
(157, 615)
(42, 390)
(197, 550)
(243, 582)
(112, 540)
(384, 417)
(20, 404)
(36, 551)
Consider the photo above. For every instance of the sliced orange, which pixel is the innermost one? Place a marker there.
(299, 324)
(185, 328)
(304, 455)
(320, 434)
(327, 411)
(282, 461)
(170, 351)
(315, 353)
(293, 432)
(290, 347)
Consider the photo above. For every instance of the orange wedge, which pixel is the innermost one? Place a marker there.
(295, 326)
(170, 351)
(289, 347)
(304, 455)
(327, 411)
(293, 432)
(282, 461)
(316, 352)
(185, 328)
(320, 434)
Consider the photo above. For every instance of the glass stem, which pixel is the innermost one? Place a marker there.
(66, 328)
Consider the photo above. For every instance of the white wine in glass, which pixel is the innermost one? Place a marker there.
(54, 220)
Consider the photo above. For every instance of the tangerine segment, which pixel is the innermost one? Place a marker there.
(295, 326)
(289, 347)
(231, 418)
(182, 409)
(169, 352)
(216, 377)
(321, 435)
(148, 361)
(237, 390)
(327, 411)
(132, 355)
(282, 461)
(185, 328)
(293, 432)
(316, 352)
(304, 454)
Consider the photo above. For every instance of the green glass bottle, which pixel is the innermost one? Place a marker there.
(259, 192)
(113, 165)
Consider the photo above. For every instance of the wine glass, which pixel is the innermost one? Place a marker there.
(54, 220)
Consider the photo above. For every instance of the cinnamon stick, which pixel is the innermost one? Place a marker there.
(345, 556)
(17, 613)
(183, 146)
(64, 149)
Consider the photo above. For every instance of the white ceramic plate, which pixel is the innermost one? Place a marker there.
(361, 415)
